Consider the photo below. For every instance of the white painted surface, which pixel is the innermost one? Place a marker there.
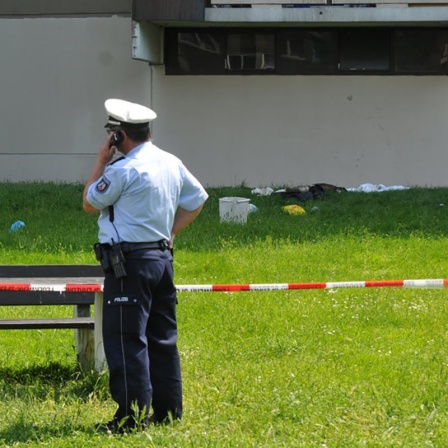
(298, 130)
(261, 130)
(55, 76)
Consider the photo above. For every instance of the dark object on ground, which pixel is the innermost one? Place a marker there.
(315, 191)
(128, 425)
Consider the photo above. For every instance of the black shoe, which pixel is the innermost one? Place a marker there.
(168, 420)
(116, 426)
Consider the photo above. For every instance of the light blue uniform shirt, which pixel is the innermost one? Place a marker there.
(145, 188)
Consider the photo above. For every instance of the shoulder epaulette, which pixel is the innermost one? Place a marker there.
(117, 160)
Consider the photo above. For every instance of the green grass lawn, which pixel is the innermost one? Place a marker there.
(310, 368)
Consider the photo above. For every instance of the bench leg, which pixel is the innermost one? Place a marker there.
(100, 357)
(85, 344)
(85, 340)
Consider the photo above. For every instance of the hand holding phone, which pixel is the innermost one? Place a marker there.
(109, 147)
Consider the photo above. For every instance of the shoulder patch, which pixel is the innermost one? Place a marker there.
(103, 185)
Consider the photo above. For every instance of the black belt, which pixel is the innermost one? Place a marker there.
(130, 247)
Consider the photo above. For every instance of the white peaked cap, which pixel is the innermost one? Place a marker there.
(123, 112)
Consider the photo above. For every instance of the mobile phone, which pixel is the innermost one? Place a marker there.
(116, 138)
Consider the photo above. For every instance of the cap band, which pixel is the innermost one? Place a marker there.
(113, 123)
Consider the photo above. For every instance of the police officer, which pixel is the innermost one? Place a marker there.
(145, 198)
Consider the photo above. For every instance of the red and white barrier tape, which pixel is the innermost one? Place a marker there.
(424, 283)
(43, 287)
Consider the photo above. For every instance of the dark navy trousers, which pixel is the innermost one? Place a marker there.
(140, 337)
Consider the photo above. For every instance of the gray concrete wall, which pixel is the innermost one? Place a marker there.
(56, 74)
(299, 130)
(261, 130)
(42, 8)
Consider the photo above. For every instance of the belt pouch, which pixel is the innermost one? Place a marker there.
(102, 255)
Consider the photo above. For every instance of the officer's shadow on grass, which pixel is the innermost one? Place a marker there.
(60, 379)
(25, 391)
(22, 431)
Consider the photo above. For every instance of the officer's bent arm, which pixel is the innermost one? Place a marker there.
(86, 205)
(105, 155)
(182, 219)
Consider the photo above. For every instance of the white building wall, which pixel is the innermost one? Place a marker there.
(261, 130)
(297, 130)
(55, 75)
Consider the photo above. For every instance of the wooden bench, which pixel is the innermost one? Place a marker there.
(76, 285)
